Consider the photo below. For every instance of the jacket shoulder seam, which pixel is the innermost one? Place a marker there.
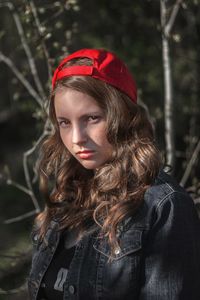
(167, 196)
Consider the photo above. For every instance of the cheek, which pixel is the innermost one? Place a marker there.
(65, 139)
(102, 137)
(102, 141)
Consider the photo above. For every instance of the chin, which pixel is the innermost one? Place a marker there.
(90, 165)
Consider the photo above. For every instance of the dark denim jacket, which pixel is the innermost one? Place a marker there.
(158, 259)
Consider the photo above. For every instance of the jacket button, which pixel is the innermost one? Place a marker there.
(117, 251)
(43, 285)
(35, 238)
(72, 289)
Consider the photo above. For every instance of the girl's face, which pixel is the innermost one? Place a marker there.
(82, 125)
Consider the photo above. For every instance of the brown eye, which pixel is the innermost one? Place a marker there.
(93, 118)
(63, 123)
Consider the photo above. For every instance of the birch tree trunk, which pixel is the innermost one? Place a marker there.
(168, 93)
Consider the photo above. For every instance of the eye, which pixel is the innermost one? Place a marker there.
(63, 123)
(93, 118)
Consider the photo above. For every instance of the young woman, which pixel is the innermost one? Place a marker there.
(115, 226)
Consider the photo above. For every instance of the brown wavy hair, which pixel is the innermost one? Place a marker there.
(78, 196)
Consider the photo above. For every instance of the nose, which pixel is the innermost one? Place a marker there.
(79, 135)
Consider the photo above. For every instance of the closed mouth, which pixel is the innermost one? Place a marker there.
(85, 152)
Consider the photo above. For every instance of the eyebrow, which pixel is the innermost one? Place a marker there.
(82, 116)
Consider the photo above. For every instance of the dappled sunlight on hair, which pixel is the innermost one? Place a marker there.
(116, 189)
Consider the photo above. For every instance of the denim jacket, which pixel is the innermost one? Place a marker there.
(158, 258)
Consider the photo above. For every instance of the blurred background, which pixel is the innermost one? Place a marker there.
(158, 40)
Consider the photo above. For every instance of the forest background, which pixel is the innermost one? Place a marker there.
(158, 40)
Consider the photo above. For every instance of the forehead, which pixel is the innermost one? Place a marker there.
(69, 101)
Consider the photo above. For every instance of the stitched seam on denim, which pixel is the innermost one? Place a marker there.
(174, 192)
(167, 196)
(169, 186)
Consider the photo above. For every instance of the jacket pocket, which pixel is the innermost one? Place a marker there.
(130, 242)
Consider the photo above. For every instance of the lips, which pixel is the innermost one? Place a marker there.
(86, 154)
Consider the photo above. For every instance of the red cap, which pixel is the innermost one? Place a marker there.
(106, 67)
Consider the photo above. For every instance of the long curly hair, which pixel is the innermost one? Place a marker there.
(78, 196)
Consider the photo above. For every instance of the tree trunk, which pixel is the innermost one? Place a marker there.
(168, 93)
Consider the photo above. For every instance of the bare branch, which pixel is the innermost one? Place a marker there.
(21, 78)
(47, 131)
(26, 170)
(38, 25)
(23, 259)
(172, 18)
(22, 217)
(19, 186)
(54, 16)
(26, 48)
(14, 291)
(190, 164)
(28, 190)
(12, 256)
(24, 189)
(162, 14)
